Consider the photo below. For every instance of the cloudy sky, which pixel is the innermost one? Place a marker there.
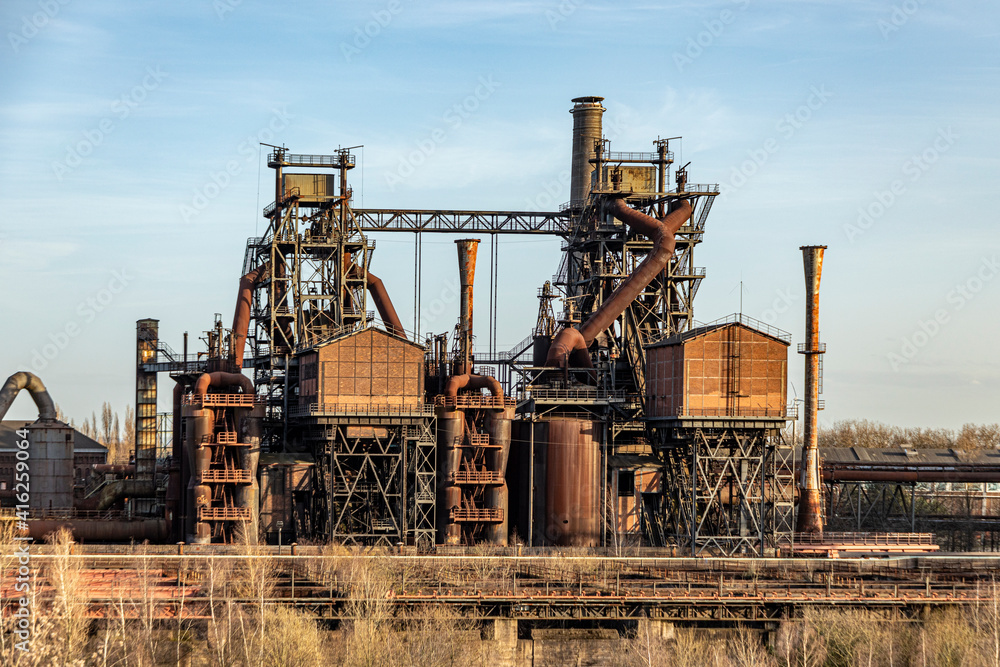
(130, 175)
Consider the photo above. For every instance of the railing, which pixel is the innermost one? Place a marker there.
(221, 400)
(319, 410)
(620, 156)
(746, 320)
(722, 413)
(866, 539)
(474, 401)
(459, 515)
(226, 438)
(819, 349)
(478, 477)
(574, 395)
(479, 439)
(303, 160)
(226, 477)
(223, 514)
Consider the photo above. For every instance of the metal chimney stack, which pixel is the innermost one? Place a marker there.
(810, 516)
(467, 249)
(587, 129)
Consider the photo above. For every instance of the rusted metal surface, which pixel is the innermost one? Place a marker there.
(383, 304)
(530, 587)
(729, 369)
(572, 485)
(451, 433)
(467, 249)
(241, 317)
(569, 348)
(470, 381)
(810, 512)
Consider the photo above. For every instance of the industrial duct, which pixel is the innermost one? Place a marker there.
(383, 304)
(380, 297)
(25, 380)
(569, 348)
(810, 515)
(220, 379)
(241, 318)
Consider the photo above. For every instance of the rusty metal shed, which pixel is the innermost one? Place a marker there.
(734, 367)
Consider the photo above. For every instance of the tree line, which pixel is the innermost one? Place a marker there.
(118, 435)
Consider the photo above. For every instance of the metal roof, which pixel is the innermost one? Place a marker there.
(736, 319)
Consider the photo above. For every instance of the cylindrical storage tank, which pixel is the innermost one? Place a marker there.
(51, 464)
(572, 484)
(248, 495)
(451, 433)
(498, 427)
(199, 423)
(587, 113)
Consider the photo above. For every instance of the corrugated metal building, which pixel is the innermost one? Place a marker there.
(727, 368)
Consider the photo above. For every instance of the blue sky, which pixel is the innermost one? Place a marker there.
(870, 127)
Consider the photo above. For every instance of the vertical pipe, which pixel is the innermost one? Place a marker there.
(810, 518)
(467, 274)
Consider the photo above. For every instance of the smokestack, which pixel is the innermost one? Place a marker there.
(810, 517)
(467, 275)
(586, 130)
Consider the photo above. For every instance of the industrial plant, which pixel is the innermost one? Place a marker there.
(315, 417)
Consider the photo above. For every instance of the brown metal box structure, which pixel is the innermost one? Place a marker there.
(729, 369)
(367, 367)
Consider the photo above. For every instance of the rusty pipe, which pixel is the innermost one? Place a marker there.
(471, 381)
(467, 249)
(241, 318)
(570, 345)
(25, 380)
(380, 297)
(810, 515)
(220, 379)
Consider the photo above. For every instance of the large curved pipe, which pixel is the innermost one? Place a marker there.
(380, 297)
(220, 379)
(570, 345)
(241, 318)
(25, 380)
(472, 381)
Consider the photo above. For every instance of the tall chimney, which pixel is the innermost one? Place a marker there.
(467, 275)
(586, 130)
(810, 517)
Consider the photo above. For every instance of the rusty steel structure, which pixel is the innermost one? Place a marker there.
(810, 513)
